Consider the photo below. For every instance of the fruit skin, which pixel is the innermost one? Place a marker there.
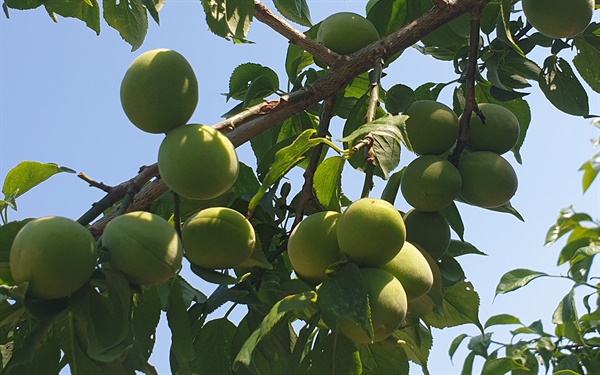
(426, 304)
(430, 230)
(488, 179)
(197, 162)
(55, 254)
(559, 18)
(430, 183)
(411, 268)
(388, 303)
(218, 238)
(159, 91)
(346, 32)
(500, 132)
(144, 246)
(432, 127)
(313, 245)
(371, 232)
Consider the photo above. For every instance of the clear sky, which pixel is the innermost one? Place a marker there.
(59, 102)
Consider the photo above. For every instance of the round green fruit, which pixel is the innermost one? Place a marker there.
(346, 32)
(559, 18)
(313, 246)
(432, 127)
(197, 162)
(218, 238)
(56, 255)
(488, 179)
(388, 303)
(430, 230)
(430, 183)
(159, 91)
(425, 304)
(499, 133)
(371, 232)
(144, 246)
(411, 268)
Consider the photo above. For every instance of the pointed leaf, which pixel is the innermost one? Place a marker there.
(562, 88)
(417, 342)
(461, 306)
(129, 18)
(501, 366)
(456, 343)
(294, 10)
(213, 348)
(586, 63)
(566, 312)
(245, 75)
(328, 183)
(27, 175)
(177, 318)
(334, 354)
(87, 11)
(502, 319)
(229, 19)
(516, 279)
(383, 359)
(452, 215)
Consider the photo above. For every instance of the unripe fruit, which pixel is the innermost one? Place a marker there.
(498, 134)
(144, 246)
(371, 232)
(411, 268)
(346, 32)
(56, 255)
(430, 230)
(159, 91)
(388, 303)
(218, 238)
(430, 183)
(559, 18)
(432, 127)
(425, 304)
(197, 162)
(313, 245)
(488, 179)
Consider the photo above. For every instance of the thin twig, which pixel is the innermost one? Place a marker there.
(93, 183)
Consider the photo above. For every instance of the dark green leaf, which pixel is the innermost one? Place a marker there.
(456, 343)
(516, 279)
(296, 60)
(294, 10)
(503, 28)
(501, 366)
(35, 353)
(458, 248)
(27, 175)
(229, 19)
(417, 342)
(222, 295)
(451, 270)
(145, 317)
(390, 191)
(398, 98)
(501, 319)
(383, 359)
(562, 88)
(334, 354)
(468, 365)
(480, 344)
(454, 220)
(213, 348)
(129, 18)
(387, 15)
(586, 63)
(260, 87)
(87, 11)
(245, 75)
(23, 4)
(179, 323)
(461, 306)
(328, 183)
(565, 312)
(214, 276)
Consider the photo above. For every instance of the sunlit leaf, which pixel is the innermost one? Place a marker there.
(516, 279)
(27, 175)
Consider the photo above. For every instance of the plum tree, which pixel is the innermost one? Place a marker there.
(432, 127)
(430, 183)
(559, 19)
(313, 245)
(388, 304)
(55, 255)
(488, 179)
(499, 133)
(197, 162)
(371, 232)
(159, 91)
(346, 32)
(429, 230)
(144, 246)
(411, 268)
(218, 238)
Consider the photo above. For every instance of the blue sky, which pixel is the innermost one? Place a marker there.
(59, 102)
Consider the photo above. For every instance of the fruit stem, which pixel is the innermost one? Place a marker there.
(315, 158)
(471, 103)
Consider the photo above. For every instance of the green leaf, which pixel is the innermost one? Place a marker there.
(516, 279)
(87, 11)
(23, 4)
(567, 221)
(417, 342)
(468, 365)
(245, 75)
(294, 10)
(278, 314)
(344, 297)
(387, 15)
(504, 32)
(383, 359)
(501, 319)
(461, 306)
(260, 87)
(458, 248)
(8, 232)
(178, 320)
(507, 208)
(456, 343)
(222, 295)
(480, 344)
(398, 98)
(27, 175)
(333, 354)
(229, 19)
(144, 320)
(129, 18)
(586, 63)
(36, 352)
(213, 348)
(562, 88)
(501, 366)
(214, 276)
(453, 218)
(296, 60)
(328, 183)
(565, 311)
(390, 191)
(590, 171)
